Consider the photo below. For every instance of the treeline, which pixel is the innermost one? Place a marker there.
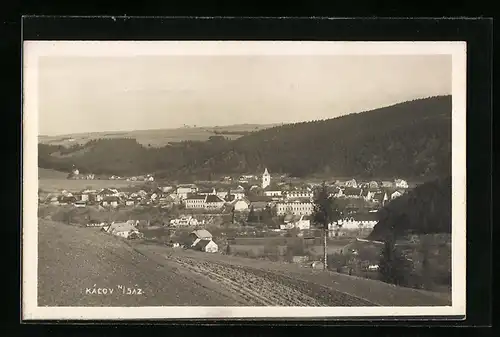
(424, 210)
(411, 139)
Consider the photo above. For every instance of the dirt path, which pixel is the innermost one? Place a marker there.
(258, 290)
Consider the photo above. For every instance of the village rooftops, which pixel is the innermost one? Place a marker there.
(213, 198)
(259, 198)
(297, 200)
(196, 197)
(352, 191)
(121, 227)
(202, 234)
(370, 216)
(202, 244)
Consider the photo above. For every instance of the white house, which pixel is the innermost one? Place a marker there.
(299, 194)
(207, 246)
(400, 183)
(351, 183)
(198, 235)
(295, 207)
(266, 179)
(195, 201)
(396, 194)
(184, 190)
(80, 204)
(273, 193)
(185, 221)
(358, 221)
(123, 229)
(213, 202)
(367, 194)
(241, 205)
(110, 201)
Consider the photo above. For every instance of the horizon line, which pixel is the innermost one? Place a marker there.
(195, 126)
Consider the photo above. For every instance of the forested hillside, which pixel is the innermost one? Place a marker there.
(424, 210)
(411, 139)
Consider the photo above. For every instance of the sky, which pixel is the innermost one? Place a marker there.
(94, 94)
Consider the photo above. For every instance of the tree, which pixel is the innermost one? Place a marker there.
(325, 212)
(251, 215)
(394, 267)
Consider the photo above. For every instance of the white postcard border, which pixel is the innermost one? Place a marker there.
(32, 50)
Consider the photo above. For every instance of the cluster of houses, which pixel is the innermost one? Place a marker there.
(76, 175)
(292, 202)
(200, 239)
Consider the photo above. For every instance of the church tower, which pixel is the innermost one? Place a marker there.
(266, 179)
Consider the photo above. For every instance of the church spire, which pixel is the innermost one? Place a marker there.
(266, 179)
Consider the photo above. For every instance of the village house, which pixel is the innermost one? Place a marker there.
(386, 184)
(295, 207)
(337, 192)
(359, 221)
(66, 200)
(122, 229)
(259, 203)
(352, 193)
(184, 190)
(231, 194)
(293, 194)
(110, 201)
(273, 193)
(213, 202)
(206, 191)
(167, 189)
(368, 194)
(301, 222)
(400, 183)
(241, 205)
(209, 202)
(130, 202)
(207, 246)
(396, 194)
(80, 204)
(373, 184)
(184, 221)
(198, 235)
(195, 201)
(351, 183)
(380, 198)
(106, 192)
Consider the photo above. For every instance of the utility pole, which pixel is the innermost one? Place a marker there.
(325, 247)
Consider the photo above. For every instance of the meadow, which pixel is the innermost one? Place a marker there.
(156, 138)
(58, 184)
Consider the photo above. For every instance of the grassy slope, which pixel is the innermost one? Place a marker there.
(72, 258)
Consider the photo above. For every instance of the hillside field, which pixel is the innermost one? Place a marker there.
(156, 138)
(169, 276)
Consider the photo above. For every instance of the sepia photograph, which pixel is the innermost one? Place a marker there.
(243, 179)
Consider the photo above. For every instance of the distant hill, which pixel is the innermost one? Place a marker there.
(426, 209)
(410, 140)
(158, 137)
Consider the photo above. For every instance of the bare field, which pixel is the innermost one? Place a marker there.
(58, 184)
(157, 138)
(72, 259)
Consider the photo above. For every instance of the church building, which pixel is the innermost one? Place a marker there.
(266, 179)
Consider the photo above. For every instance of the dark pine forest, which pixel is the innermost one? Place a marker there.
(410, 140)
